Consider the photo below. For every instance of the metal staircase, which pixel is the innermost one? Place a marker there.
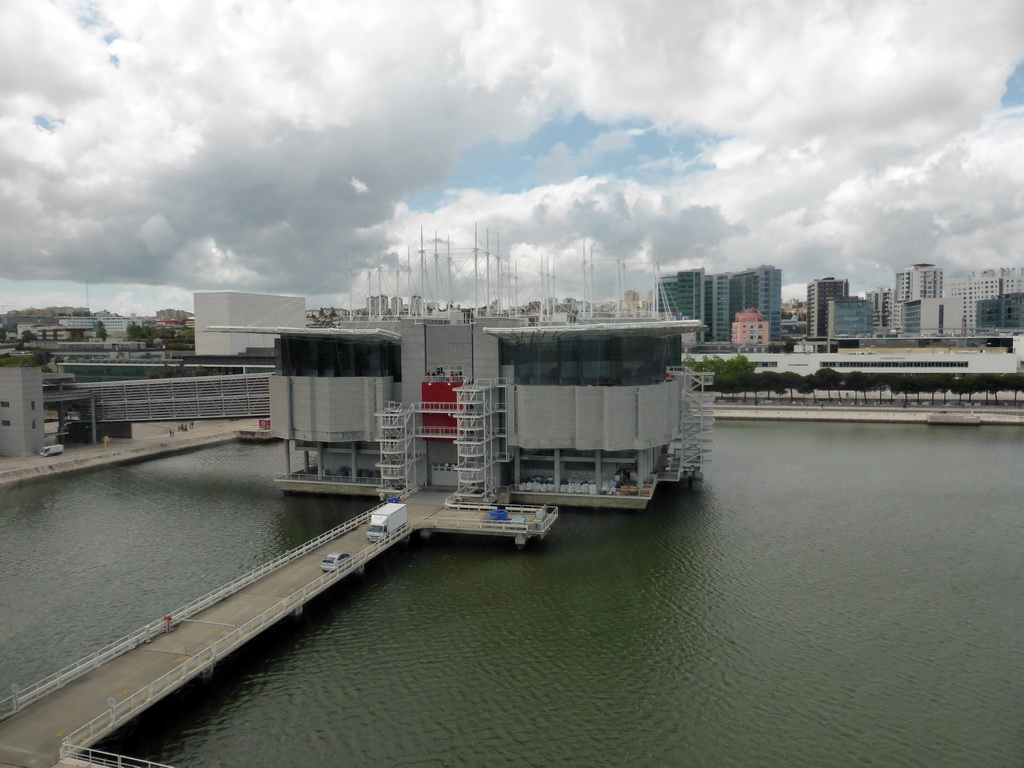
(400, 465)
(691, 447)
(481, 440)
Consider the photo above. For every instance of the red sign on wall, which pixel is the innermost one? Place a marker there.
(264, 423)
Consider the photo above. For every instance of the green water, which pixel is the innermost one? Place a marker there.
(832, 595)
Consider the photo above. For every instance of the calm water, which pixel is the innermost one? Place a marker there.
(833, 595)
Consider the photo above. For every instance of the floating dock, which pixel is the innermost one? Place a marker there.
(89, 700)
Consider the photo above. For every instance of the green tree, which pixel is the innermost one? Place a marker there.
(828, 379)
(808, 386)
(966, 385)
(772, 381)
(991, 384)
(732, 366)
(791, 381)
(859, 383)
(1014, 382)
(101, 330)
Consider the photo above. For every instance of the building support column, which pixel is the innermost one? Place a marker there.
(319, 460)
(287, 456)
(558, 469)
(597, 469)
(517, 468)
(355, 459)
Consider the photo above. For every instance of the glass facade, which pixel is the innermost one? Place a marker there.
(849, 317)
(682, 294)
(605, 360)
(1006, 312)
(761, 288)
(302, 356)
(912, 317)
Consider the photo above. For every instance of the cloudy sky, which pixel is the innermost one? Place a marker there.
(149, 150)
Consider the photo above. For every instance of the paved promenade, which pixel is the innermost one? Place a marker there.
(149, 441)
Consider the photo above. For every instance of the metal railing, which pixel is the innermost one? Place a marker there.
(492, 526)
(436, 431)
(72, 672)
(303, 477)
(108, 759)
(127, 708)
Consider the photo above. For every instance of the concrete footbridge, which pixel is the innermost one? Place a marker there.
(175, 399)
(65, 714)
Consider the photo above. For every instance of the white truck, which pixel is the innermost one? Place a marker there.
(387, 519)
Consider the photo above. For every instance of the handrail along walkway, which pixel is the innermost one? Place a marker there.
(72, 672)
(204, 656)
(127, 708)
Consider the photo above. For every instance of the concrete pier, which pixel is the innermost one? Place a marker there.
(93, 701)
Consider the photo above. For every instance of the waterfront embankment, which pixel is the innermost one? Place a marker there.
(913, 413)
(148, 441)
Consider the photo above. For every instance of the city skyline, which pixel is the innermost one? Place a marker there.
(150, 152)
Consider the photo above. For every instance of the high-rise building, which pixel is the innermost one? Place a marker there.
(760, 288)
(918, 281)
(981, 286)
(933, 317)
(715, 299)
(819, 294)
(849, 316)
(1002, 313)
(682, 294)
(716, 307)
(881, 307)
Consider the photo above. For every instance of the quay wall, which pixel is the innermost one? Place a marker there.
(913, 414)
(154, 441)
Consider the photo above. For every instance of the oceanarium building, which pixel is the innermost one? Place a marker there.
(489, 409)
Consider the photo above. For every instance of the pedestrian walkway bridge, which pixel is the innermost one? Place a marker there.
(178, 399)
(81, 704)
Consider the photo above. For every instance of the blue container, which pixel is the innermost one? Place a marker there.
(499, 514)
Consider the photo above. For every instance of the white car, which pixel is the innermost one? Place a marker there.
(334, 561)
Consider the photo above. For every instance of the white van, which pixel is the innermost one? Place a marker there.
(52, 450)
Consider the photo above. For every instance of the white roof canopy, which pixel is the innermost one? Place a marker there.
(646, 328)
(354, 334)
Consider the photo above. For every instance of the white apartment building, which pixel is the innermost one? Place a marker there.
(918, 281)
(986, 284)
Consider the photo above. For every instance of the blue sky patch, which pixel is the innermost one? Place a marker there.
(1014, 93)
(48, 124)
(561, 150)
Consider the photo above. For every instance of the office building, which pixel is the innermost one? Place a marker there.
(849, 316)
(918, 281)
(983, 285)
(819, 294)
(1002, 313)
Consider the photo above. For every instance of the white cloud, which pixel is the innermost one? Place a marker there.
(255, 144)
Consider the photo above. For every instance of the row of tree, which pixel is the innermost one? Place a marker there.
(736, 376)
